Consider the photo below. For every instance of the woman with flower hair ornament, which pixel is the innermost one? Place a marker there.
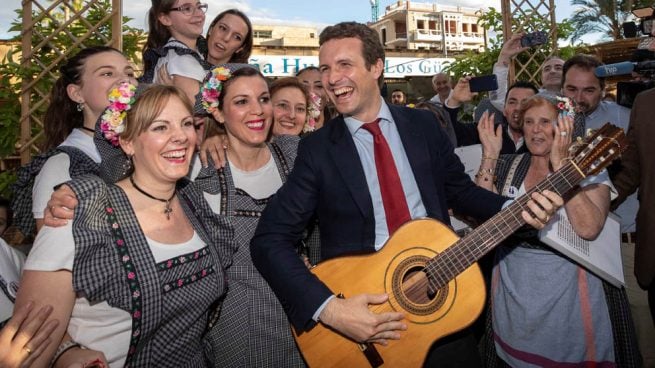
(311, 78)
(76, 102)
(546, 310)
(134, 274)
(294, 109)
(250, 329)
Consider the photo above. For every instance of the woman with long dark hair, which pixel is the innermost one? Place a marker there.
(76, 102)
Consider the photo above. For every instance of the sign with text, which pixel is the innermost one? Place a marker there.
(395, 67)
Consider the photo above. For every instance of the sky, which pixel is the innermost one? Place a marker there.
(297, 12)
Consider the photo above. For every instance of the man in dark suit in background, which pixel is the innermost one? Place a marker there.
(342, 175)
(637, 172)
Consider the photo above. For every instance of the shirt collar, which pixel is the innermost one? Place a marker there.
(384, 114)
(600, 109)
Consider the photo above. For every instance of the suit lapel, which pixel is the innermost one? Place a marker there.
(347, 161)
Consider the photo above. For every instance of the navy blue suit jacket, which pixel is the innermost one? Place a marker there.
(328, 181)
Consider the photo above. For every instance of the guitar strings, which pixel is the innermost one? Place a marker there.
(562, 181)
(457, 251)
(568, 176)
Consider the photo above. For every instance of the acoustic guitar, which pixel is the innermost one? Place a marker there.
(427, 247)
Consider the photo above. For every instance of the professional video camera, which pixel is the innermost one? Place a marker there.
(642, 61)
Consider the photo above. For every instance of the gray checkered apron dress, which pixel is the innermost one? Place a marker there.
(169, 301)
(251, 328)
(626, 351)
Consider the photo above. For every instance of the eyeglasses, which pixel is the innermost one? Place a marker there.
(287, 108)
(190, 9)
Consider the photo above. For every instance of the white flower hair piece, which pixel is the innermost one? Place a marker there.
(565, 105)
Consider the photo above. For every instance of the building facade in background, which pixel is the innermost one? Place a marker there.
(412, 25)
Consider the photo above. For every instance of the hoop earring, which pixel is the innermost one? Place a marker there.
(80, 106)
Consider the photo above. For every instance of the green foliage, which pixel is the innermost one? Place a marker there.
(13, 73)
(603, 16)
(6, 179)
(474, 63)
(9, 106)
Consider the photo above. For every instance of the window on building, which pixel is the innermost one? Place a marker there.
(312, 35)
(465, 27)
(451, 26)
(401, 30)
(474, 28)
(259, 33)
(432, 25)
(420, 24)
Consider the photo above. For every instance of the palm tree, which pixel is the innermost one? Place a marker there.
(603, 16)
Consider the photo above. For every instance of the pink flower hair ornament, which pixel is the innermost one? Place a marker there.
(112, 121)
(565, 105)
(313, 113)
(212, 87)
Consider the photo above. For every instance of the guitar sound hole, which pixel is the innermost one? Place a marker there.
(415, 286)
(410, 285)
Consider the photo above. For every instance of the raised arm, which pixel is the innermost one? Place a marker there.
(492, 142)
(510, 49)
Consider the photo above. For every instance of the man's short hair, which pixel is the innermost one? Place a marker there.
(584, 62)
(372, 49)
(398, 90)
(522, 84)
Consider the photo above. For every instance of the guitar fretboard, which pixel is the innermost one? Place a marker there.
(468, 250)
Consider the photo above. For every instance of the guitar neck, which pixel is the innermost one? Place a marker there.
(468, 250)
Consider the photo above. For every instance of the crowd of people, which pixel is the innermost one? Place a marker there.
(177, 216)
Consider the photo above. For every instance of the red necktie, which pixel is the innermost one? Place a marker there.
(393, 197)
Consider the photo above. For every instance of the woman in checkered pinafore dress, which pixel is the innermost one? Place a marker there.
(143, 260)
(546, 310)
(250, 329)
(76, 102)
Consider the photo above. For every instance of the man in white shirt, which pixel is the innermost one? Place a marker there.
(442, 85)
(581, 84)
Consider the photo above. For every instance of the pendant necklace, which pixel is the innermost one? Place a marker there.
(167, 209)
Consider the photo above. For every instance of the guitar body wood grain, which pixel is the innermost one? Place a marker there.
(397, 270)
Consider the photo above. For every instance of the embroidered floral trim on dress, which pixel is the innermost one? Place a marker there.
(182, 259)
(179, 283)
(132, 281)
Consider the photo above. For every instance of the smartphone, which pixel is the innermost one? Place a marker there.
(484, 83)
(534, 39)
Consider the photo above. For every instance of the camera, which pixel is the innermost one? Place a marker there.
(534, 39)
(642, 60)
(646, 18)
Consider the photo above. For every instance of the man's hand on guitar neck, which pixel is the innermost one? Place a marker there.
(353, 318)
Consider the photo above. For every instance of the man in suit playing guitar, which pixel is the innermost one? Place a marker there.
(336, 179)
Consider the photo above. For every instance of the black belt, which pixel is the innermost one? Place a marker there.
(629, 237)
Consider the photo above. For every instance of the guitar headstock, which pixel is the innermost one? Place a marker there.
(600, 149)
